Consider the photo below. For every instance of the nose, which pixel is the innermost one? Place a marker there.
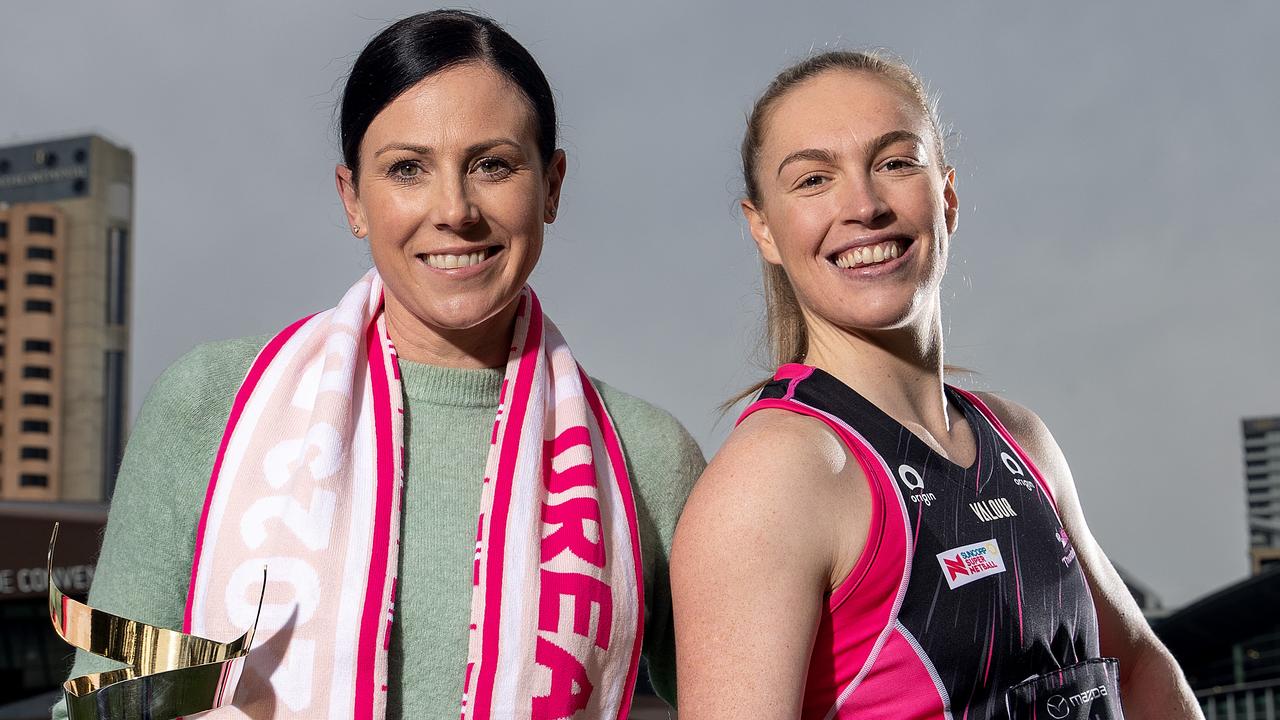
(451, 207)
(863, 202)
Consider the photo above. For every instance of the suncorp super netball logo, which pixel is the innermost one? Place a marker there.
(963, 565)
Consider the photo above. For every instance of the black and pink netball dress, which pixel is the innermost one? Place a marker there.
(968, 601)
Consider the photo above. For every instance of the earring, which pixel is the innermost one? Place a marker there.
(355, 229)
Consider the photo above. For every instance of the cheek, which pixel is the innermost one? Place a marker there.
(516, 212)
(803, 228)
(518, 205)
(391, 216)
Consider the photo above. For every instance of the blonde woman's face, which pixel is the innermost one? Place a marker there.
(853, 204)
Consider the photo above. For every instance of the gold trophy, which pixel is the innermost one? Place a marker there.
(169, 673)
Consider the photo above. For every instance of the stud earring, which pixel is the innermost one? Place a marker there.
(355, 229)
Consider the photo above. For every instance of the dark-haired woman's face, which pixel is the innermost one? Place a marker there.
(452, 196)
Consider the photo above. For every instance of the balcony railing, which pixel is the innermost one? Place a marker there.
(1248, 701)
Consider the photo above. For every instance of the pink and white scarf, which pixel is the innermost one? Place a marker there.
(307, 482)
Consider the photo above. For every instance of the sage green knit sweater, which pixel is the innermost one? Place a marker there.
(145, 563)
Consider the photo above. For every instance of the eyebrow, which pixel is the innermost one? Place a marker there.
(874, 148)
(879, 144)
(814, 154)
(426, 150)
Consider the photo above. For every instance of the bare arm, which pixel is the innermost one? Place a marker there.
(1151, 684)
(760, 541)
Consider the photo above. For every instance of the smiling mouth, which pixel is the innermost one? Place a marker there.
(871, 254)
(447, 261)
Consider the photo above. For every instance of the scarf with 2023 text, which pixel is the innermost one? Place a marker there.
(307, 483)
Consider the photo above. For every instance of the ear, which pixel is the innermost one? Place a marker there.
(553, 176)
(953, 203)
(760, 232)
(350, 200)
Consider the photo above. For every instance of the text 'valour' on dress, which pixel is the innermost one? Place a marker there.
(967, 587)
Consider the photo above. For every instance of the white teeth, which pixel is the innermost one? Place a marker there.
(455, 261)
(869, 255)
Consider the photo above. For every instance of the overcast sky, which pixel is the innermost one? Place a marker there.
(1115, 267)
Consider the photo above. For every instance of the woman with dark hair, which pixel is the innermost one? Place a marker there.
(451, 513)
(871, 542)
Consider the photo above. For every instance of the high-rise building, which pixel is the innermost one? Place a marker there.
(1228, 642)
(66, 226)
(1262, 490)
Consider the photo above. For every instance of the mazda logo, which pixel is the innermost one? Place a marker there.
(1058, 707)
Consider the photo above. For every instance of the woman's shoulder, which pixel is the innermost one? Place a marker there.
(648, 431)
(200, 382)
(218, 360)
(1033, 436)
(784, 487)
(663, 457)
(781, 454)
(1022, 423)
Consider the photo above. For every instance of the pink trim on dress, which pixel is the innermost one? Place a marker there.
(795, 372)
(884, 695)
(854, 627)
(1008, 438)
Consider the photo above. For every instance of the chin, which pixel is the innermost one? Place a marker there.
(880, 319)
(462, 313)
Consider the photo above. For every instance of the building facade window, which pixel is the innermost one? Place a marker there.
(113, 418)
(4, 230)
(39, 252)
(117, 275)
(40, 224)
(35, 453)
(35, 426)
(38, 372)
(43, 346)
(35, 399)
(40, 279)
(33, 480)
(40, 306)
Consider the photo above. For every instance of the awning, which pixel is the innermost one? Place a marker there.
(26, 527)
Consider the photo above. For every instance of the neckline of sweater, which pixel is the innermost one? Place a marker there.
(459, 387)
